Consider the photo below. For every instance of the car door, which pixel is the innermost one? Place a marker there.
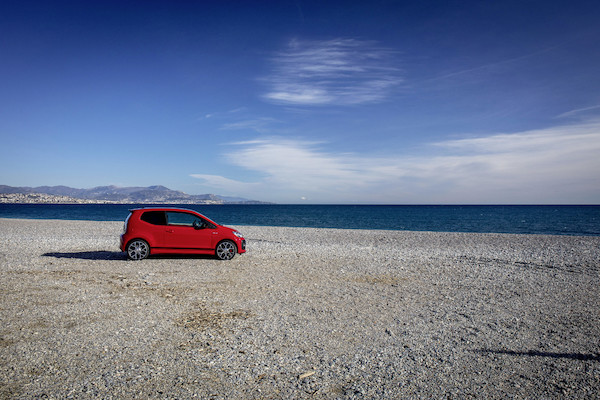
(187, 231)
(154, 229)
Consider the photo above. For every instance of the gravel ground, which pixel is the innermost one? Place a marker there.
(305, 313)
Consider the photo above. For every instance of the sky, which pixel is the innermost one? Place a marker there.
(316, 102)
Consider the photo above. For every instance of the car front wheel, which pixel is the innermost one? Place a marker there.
(138, 249)
(226, 250)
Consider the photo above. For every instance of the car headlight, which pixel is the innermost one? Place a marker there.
(236, 233)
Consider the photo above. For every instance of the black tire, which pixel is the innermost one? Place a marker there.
(138, 249)
(225, 250)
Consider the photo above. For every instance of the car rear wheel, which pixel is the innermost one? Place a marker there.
(226, 250)
(138, 249)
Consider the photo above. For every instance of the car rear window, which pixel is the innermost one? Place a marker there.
(154, 217)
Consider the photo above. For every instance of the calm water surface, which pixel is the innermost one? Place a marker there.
(553, 220)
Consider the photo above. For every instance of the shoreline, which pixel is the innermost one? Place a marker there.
(305, 313)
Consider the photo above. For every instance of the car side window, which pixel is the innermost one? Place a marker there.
(154, 217)
(183, 219)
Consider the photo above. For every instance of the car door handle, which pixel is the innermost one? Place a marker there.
(170, 231)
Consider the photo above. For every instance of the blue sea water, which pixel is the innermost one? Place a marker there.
(524, 219)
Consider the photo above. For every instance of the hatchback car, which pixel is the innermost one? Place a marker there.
(177, 231)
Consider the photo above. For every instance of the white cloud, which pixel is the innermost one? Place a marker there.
(293, 93)
(555, 165)
(339, 72)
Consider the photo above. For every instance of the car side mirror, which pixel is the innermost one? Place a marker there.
(198, 225)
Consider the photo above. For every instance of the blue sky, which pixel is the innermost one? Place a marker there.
(393, 102)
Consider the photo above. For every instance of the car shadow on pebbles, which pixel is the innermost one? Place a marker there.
(89, 255)
(535, 353)
(183, 257)
(117, 255)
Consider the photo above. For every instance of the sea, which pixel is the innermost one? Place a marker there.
(521, 219)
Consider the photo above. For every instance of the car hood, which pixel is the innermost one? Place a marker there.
(227, 228)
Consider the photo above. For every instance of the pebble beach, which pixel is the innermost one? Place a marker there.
(305, 313)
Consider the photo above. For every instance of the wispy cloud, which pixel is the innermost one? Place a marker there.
(578, 111)
(493, 67)
(555, 165)
(221, 114)
(260, 125)
(221, 182)
(332, 72)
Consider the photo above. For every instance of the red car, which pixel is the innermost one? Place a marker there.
(177, 231)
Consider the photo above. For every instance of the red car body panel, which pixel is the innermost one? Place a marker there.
(186, 237)
(179, 237)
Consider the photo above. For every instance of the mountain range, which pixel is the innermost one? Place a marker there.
(135, 195)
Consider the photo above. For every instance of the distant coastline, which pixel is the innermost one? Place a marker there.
(42, 198)
(111, 195)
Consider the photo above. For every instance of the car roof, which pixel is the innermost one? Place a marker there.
(162, 209)
(170, 209)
